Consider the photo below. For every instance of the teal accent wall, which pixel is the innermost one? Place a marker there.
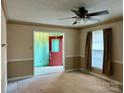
(41, 49)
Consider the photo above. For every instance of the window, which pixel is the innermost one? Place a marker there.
(97, 49)
(55, 45)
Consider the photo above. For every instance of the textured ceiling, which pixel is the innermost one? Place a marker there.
(49, 11)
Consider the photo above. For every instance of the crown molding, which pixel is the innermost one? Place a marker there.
(66, 27)
(40, 24)
(4, 6)
(103, 23)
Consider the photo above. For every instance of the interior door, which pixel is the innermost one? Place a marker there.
(55, 50)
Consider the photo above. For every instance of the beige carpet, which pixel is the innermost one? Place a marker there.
(71, 82)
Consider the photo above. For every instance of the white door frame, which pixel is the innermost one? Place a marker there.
(63, 33)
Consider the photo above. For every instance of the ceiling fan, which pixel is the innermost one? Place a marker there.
(82, 14)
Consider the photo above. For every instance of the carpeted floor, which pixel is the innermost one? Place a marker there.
(66, 82)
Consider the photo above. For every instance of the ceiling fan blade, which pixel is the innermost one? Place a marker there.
(78, 19)
(76, 12)
(98, 13)
(94, 19)
(75, 22)
(67, 18)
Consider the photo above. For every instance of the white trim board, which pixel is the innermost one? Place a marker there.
(20, 59)
(117, 61)
(103, 77)
(21, 77)
(72, 56)
(82, 56)
(25, 59)
(12, 60)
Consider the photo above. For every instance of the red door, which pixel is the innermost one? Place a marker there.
(55, 50)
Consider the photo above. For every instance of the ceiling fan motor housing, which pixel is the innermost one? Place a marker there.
(83, 11)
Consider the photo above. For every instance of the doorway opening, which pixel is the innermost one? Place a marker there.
(48, 52)
(97, 49)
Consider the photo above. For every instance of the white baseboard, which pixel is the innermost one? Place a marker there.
(69, 70)
(103, 77)
(17, 78)
(26, 59)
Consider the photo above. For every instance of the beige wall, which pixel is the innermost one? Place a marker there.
(24, 68)
(117, 39)
(20, 68)
(117, 70)
(3, 54)
(20, 47)
(20, 40)
(117, 47)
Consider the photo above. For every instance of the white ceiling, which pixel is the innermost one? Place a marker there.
(49, 11)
